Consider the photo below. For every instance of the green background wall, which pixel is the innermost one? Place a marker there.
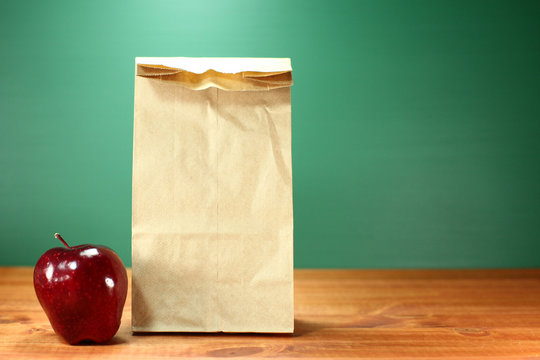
(416, 124)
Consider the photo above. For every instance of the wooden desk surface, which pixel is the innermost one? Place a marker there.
(394, 314)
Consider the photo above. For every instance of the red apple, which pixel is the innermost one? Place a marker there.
(82, 290)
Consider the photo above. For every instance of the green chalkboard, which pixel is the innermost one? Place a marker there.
(416, 124)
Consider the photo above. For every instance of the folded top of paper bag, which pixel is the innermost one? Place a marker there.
(223, 65)
(234, 74)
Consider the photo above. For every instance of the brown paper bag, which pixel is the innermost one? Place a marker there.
(212, 232)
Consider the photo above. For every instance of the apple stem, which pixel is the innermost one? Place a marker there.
(57, 235)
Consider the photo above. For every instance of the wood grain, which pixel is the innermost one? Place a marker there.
(393, 314)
